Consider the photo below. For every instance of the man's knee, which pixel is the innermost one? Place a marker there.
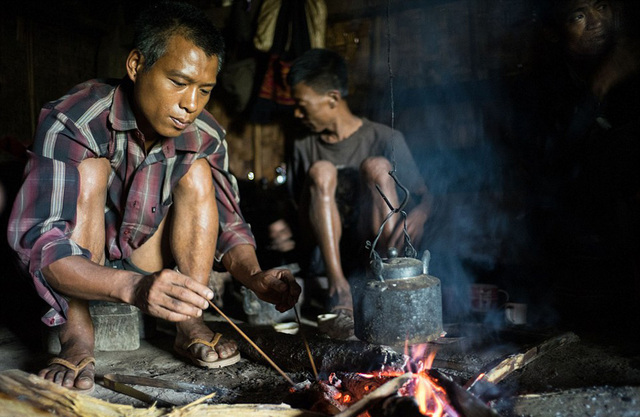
(94, 179)
(196, 184)
(323, 174)
(89, 230)
(375, 168)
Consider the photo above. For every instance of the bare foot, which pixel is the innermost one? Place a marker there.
(188, 330)
(340, 300)
(77, 342)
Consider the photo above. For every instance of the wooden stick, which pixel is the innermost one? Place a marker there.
(23, 394)
(496, 372)
(384, 390)
(306, 345)
(289, 380)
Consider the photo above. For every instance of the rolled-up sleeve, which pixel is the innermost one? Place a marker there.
(44, 212)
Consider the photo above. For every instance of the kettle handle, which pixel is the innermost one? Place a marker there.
(409, 250)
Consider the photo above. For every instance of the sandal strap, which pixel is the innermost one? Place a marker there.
(76, 368)
(214, 341)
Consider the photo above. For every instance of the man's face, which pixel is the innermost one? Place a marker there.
(314, 109)
(588, 26)
(171, 94)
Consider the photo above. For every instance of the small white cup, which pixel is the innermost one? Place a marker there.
(287, 327)
(515, 313)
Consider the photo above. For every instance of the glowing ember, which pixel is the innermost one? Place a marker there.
(431, 397)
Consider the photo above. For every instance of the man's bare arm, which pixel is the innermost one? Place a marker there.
(166, 294)
(276, 286)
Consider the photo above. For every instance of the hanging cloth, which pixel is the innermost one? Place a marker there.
(316, 13)
(286, 29)
(266, 29)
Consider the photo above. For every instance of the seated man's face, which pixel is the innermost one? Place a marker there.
(588, 26)
(171, 94)
(313, 108)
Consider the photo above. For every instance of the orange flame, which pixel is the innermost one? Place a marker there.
(431, 398)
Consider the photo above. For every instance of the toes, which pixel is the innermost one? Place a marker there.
(45, 374)
(68, 380)
(57, 376)
(226, 348)
(84, 380)
(205, 353)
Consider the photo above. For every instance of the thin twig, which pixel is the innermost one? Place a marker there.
(306, 345)
(276, 367)
(177, 412)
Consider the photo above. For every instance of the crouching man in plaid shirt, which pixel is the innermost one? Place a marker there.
(127, 198)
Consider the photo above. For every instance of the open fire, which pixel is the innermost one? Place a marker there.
(431, 398)
(418, 390)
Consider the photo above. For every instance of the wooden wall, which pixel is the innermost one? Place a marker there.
(442, 55)
(443, 60)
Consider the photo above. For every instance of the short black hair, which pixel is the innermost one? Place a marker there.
(157, 23)
(321, 69)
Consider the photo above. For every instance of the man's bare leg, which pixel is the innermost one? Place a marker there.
(193, 231)
(374, 171)
(77, 335)
(327, 228)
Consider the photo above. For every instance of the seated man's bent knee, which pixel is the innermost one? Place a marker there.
(375, 167)
(322, 173)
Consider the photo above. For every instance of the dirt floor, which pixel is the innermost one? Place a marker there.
(596, 374)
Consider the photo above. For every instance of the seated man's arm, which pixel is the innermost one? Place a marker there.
(235, 246)
(276, 286)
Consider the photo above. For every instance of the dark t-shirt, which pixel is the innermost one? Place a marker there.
(371, 139)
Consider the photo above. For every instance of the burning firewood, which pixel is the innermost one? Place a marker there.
(386, 394)
(465, 403)
(389, 388)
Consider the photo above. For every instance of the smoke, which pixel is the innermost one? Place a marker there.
(479, 229)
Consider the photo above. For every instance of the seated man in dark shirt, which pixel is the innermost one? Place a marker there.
(336, 168)
(127, 198)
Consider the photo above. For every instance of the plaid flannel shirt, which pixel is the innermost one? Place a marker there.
(95, 120)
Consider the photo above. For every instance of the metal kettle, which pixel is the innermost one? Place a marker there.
(400, 302)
